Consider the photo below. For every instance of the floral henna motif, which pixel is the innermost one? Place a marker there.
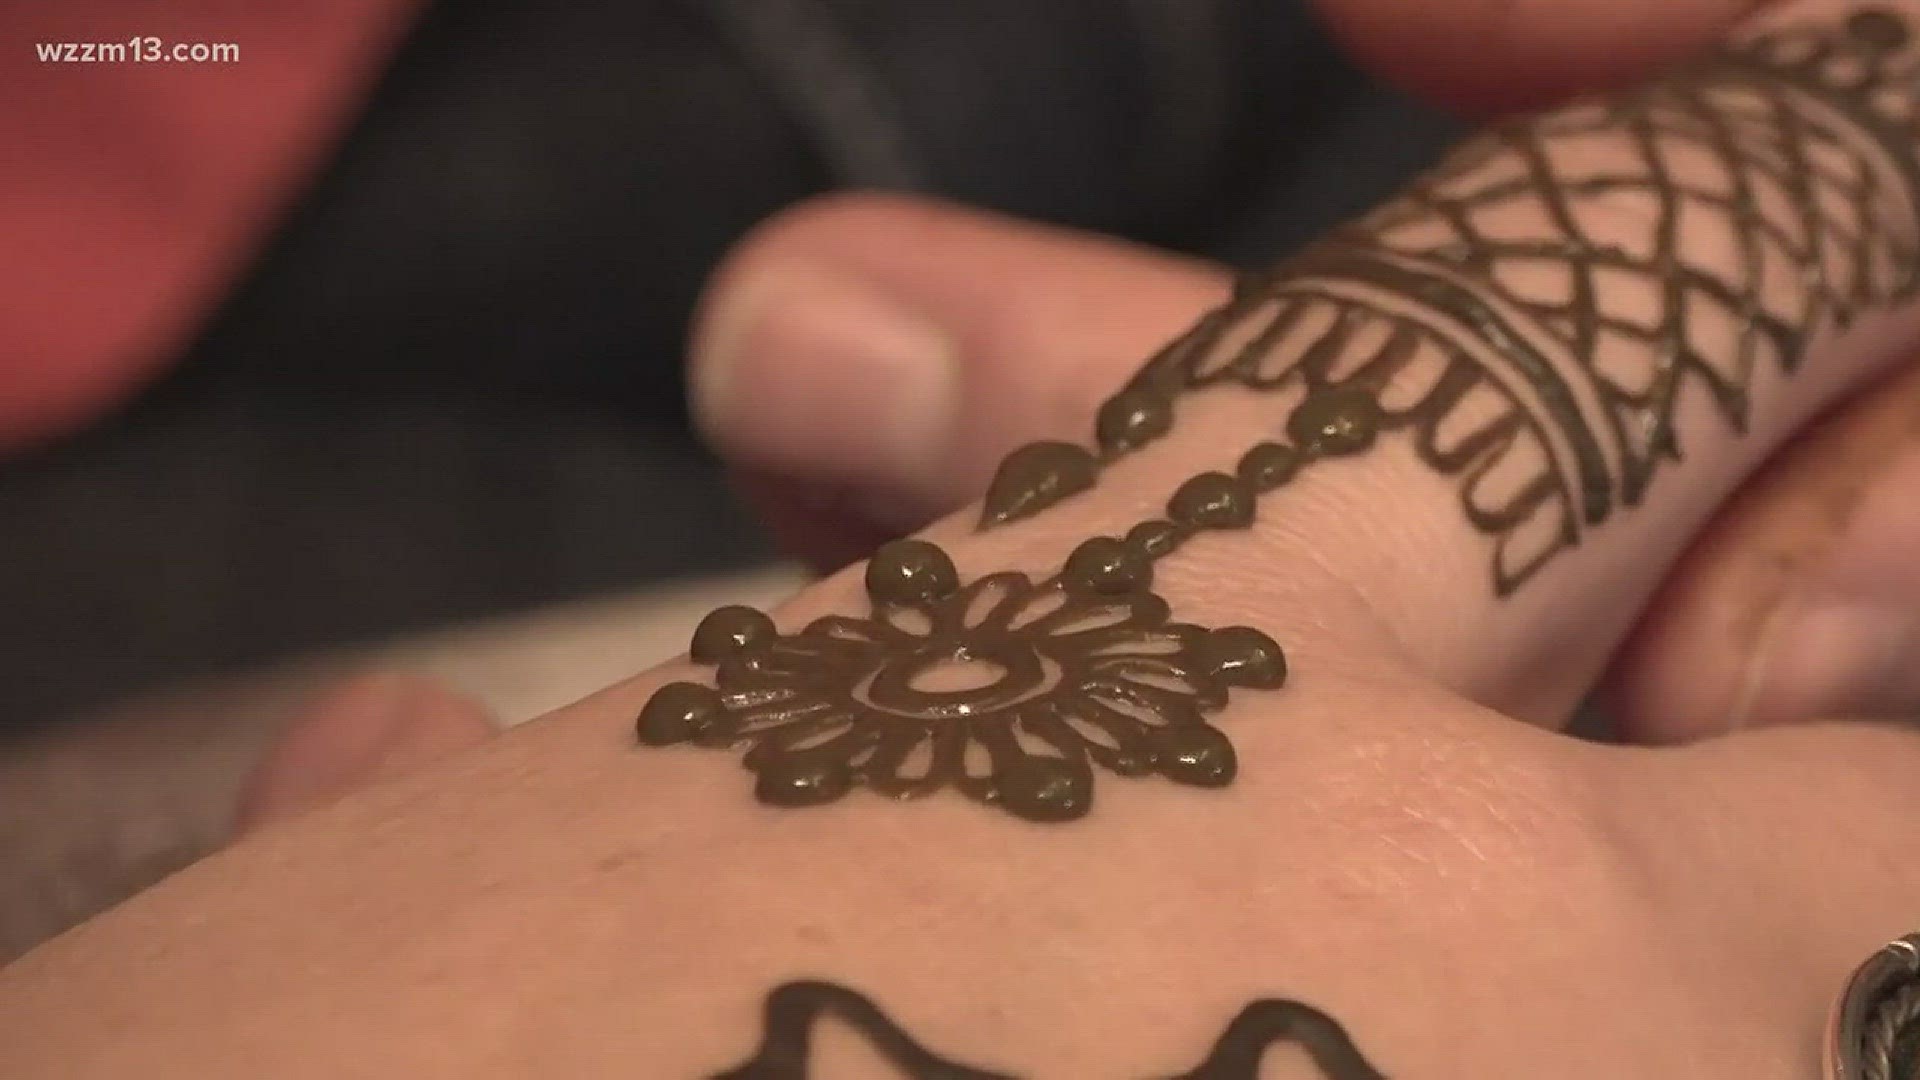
(1083, 669)
(1011, 691)
(1533, 309)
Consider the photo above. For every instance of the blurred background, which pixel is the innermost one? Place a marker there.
(431, 407)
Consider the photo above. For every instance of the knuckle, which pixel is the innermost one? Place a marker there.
(1470, 808)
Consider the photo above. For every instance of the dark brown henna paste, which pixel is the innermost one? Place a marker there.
(1080, 671)
(1266, 1024)
(1133, 418)
(1035, 477)
(1489, 314)
(1533, 309)
(793, 1009)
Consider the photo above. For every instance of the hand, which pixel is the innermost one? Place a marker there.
(82, 830)
(1470, 896)
(866, 362)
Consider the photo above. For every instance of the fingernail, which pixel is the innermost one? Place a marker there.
(1830, 656)
(810, 372)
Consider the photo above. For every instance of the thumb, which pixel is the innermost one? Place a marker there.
(866, 361)
(1802, 599)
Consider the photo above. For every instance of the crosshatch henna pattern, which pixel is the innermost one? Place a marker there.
(792, 1010)
(1531, 310)
(1528, 315)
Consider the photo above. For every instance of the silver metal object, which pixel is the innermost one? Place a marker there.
(1881, 999)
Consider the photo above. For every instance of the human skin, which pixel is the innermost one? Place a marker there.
(814, 374)
(1796, 601)
(1410, 846)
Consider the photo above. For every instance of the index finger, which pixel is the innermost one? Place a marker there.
(1485, 56)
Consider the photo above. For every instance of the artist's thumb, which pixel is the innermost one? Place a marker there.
(865, 362)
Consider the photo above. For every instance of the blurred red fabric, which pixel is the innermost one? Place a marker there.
(132, 194)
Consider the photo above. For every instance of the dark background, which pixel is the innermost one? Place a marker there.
(450, 385)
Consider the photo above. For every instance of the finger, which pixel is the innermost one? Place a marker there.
(365, 729)
(1800, 837)
(887, 352)
(1802, 599)
(1575, 337)
(1485, 56)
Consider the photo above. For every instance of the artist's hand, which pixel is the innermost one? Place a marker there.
(872, 359)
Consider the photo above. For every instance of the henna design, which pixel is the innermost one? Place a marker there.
(1080, 670)
(787, 1041)
(1083, 668)
(1527, 313)
(1265, 1024)
(791, 1011)
(1531, 312)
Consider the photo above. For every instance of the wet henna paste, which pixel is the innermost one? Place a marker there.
(793, 1009)
(1487, 314)
(1085, 669)
(1272, 1022)
(786, 1044)
(1532, 310)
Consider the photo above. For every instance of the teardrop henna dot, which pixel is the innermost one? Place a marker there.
(1243, 656)
(729, 631)
(1155, 539)
(905, 571)
(1336, 422)
(1197, 755)
(1045, 789)
(799, 780)
(1106, 565)
(1269, 465)
(1132, 419)
(1213, 500)
(677, 712)
(1035, 477)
